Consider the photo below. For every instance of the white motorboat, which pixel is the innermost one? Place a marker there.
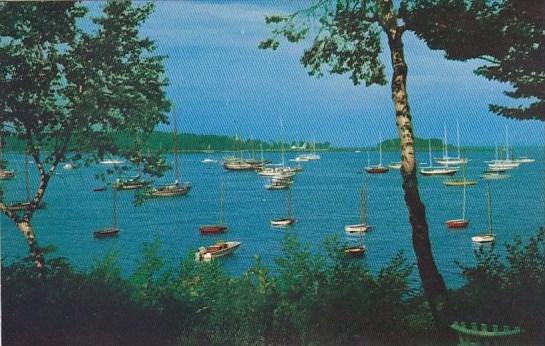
(220, 249)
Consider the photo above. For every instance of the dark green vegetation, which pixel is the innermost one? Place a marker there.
(507, 34)
(66, 84)
(158, 141)
(162, 142)
(310, 299)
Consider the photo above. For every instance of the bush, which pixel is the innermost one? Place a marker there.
(510, 293)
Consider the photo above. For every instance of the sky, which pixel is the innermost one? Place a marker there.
(221, 83)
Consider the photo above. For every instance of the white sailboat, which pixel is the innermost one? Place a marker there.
(285, 221)
(433, 171)
(507, 164)
(489, 236)
(451, 161)
(208, 160)
(312, 156)
(362, 226)
(280, 172)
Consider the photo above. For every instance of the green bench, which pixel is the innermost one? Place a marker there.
(472, 334)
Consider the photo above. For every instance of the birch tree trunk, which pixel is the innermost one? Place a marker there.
(434, 286)
(35, 253)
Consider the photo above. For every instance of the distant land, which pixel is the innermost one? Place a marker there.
(189, 142)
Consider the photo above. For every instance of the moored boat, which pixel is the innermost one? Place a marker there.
(110, 231)
(106, 232)
(489, 236)
(131, 183)
(362, 226)
(220, 227)
(355, 251)
(436, 171)
(285, 221)
(377, 169)
(220, 249)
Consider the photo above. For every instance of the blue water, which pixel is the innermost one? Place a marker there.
(325, 198)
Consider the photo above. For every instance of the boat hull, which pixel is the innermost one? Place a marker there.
(494, 176)
(377, 170)
(359, 228)
(355, 251)
(217, 250)
(460, 182)
(457, 224)
(212, 229)
(282, 222)
(484, 238)
(5, 174)
(106, 233)
(22, 206)
(171, 191)
(436, 172)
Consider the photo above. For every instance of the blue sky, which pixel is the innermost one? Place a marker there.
(222, 84)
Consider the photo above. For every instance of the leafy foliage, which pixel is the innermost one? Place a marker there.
(507, 34)
(311, 299)
(511, 292)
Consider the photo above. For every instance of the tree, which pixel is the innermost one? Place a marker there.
(348, 40)
(507, 34)
(71, 85)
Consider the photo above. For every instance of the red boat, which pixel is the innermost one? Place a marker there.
(377, 169)
(460, 223)
(212, 229)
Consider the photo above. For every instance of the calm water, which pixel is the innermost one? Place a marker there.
(325, 198)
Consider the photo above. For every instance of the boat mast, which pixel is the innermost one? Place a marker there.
(221, 202)
(368, 159)
(506, 144)
(464, 200)
(262, 161)
(114, 209)
(458, 137)
(496, 146)
(445, 143)
(429, 147)
(365, 202)
(489, 204)
(282, 142)
(380, 149)
(175, 143)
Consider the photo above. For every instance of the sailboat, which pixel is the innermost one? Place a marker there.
(460, 182)
(175, 189)
(219, 227)
(463, 222)
(22, 206)
(362, 226)
(282, 174)
(378, 169)
(5, 173)
(507, 164)
(309, 157)
(432, 171)
(449, 161)
(111, 231)
(285, 221)
(489, 236)
(209, 160)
